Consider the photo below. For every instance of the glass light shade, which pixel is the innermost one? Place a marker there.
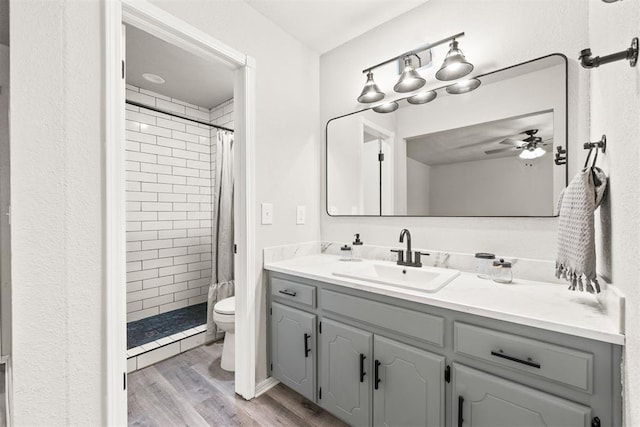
(387, 107)
(422, 97)
(455, 65)
(463, 86)
(532, 154)
(371, 92)
(409, 80)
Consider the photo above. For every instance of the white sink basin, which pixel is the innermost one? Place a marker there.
(424, 279)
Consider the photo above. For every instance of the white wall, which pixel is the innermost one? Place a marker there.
(498, 34)
(615, 110)
(58, 177)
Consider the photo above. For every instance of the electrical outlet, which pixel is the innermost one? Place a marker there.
(267, 213)
(301, 214)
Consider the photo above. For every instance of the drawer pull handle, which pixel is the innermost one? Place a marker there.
(287, 292)
(362, 373)
(460, 403)
(377, 374)
(527, 362)
(306, 345)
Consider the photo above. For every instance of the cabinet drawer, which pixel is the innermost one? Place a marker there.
(560, 364)
(293, 291)
(414, 324)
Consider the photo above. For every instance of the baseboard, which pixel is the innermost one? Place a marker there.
(266, 385)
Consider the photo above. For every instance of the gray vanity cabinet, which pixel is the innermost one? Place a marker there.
(484, 400)
(346, 375)
(293, 343)
(408, 385)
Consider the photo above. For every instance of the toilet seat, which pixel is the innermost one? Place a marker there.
(226, 306)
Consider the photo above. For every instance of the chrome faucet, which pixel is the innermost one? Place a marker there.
(411, 260)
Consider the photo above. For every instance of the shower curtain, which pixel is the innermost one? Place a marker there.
(222, 285)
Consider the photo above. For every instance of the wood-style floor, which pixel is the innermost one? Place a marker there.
(192, 390)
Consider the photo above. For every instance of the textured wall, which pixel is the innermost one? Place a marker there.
(498, 33)
(615, 111)
(57, 184)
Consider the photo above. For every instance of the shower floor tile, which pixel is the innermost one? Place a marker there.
(145, 331)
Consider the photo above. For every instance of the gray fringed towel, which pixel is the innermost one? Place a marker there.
(576, 261)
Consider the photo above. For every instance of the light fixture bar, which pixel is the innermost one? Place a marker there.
(414, 52)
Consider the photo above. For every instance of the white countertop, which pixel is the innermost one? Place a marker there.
(541, 305)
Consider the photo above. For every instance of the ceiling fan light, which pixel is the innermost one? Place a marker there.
(387, 107)
(371, 92)
(409, 80)
(463, 86)
(422, 97)
(534, 153)
(455, 64)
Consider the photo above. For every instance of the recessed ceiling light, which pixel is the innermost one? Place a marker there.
(153, 78)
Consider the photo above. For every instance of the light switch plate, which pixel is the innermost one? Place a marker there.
(301, 214)
(267, 213)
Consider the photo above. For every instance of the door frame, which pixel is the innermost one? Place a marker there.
(151, 19)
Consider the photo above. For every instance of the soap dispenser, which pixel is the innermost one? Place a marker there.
(356, 250)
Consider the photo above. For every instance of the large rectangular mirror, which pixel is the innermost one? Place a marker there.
(489, 152)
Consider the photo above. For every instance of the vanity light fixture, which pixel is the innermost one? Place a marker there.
(422, 97)
(455, 64)
(532, 153)
(371, 92)
(463, 86)
(387, 107)
(409, 80)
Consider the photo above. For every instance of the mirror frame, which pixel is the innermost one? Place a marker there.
(566, 97)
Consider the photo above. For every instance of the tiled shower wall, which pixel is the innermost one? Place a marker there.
(169, 196)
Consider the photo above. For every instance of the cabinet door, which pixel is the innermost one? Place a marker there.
(408, 387)
(293, 343)
(482, 399)
(345, 372)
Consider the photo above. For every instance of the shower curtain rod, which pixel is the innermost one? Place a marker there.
(180, 116)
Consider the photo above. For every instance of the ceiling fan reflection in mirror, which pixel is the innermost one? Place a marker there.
(531, 146)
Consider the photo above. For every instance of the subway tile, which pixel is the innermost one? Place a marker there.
(158, 282)
(170, 124)
(206, 223)
(205, 273)
(132, 364)
(159, 300)
(141, 176)
(154, 356)
(140, 117)
(172, 143)
(133, 246)
(197, 232)
(141, 295)
(176, 269)
(198, 249)
(200, 115)
(137, 315)
(206, 141)
(132, 88)
(159, 262)
(133, 186)
(132, 206)
(204, 182)
(140, 97)
(206, 190)
(132, 352)
(172, 234)
(197, 131)
(154, 149)
(164, 341)
(205, 240)
(154, 168)
(185, 172)
(143, 274)
(199, 198)
(196, 164)
(134, 266)
(132, 146)
(178, 335)
(170, 197)
(184, 206)
(156, 188)
(150, 346)
(140, 137)
(200, 148)
(190, 293)
(205, 173)
(199, 283)
(188, 137)
(205, 158)
(142, 216)
(154, 130)
(142, 255)
(186, 259)
(206, 207)
(165, 160)
(133, 166)
(134, 126)
(147, 206)
(141, 235)
(201, 328)
(171, 106)
(173, 288)
(133, 226)
(186, 224)
(157, 244)
(141, 157)
(197, 300)
(157, 225)
(191, 332)
(192, 342)
(134, 306)
(203, 265)
(137, 196)
(205, 256)
(172, 216)
(172, 252)
(183, 154)
(187, 189)
(134, 286)
(172, 179)
(155, 95)
(185, 277)
(186, 104)
(174, 306)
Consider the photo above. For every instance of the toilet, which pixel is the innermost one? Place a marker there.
(224, 315)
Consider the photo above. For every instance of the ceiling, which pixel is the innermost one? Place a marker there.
(189, 78)
(323, 25)
(470, 142)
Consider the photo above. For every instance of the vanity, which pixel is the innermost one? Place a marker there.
(471, 353)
